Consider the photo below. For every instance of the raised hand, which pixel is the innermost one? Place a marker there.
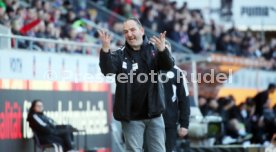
(105, 39)
(159, 41)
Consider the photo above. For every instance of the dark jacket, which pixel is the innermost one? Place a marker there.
(44, 128)
(121, 61)
(177, 100)
(42, 125)
(47, 131)
(260, 99)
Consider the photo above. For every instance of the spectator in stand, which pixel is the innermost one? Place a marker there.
(177, 107)
(236, 121)
(148, 18)
(226, 106)
(157, 15)
(262, 98)
(263, 126)
(213, 107)
(244, 115)
(194, 31)
(175, 33)
(184, 36)
(237, 43)
(269, 120)
(207, 39)
(43, 19)
(265, 52)
(274, 109)
(3, 16)
(202, 103)
(46, 129)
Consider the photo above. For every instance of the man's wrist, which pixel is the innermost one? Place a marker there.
(105, 50)
(183, 125)
(162, 50)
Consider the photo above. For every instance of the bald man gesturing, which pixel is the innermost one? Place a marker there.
(139, 98)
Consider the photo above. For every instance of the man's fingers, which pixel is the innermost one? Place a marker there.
(104, 34)
(100, 33)
(109, 37)
(163, 35)
(156, 39)
(152, 40)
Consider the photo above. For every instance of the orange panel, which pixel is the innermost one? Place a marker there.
(64, 86)
(272, 97)
(52, 85)
(41, 85)
(226, 68)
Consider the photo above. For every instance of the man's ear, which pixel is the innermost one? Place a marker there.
(143, 30)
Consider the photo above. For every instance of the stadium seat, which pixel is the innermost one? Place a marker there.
(43, 147)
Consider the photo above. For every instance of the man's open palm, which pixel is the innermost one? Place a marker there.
(105, 39)
(159, 41)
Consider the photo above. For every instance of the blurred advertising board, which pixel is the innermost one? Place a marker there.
(255, 14)
(85, 108)
(69, 89)
(30, 65)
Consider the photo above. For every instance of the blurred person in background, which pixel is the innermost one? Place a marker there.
(263, 120)
(269, 121)
(236, 120)
(207, 39)
(262, 98)
(3, 15)
(213, 107)
(148, 18)
(264, 126)
(177, 106)
(194, 31)
(47, 130)
(202, 103)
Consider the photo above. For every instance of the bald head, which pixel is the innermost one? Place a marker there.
(135, 20)
(133, 32)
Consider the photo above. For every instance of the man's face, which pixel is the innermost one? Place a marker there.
(38, 107)
(133, 33)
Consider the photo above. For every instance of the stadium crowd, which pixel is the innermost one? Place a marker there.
(58, 19)
(188, 28)
(67, 20)
(253, 120)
